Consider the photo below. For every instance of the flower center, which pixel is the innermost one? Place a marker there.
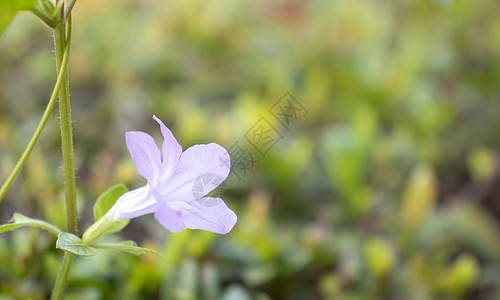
(158, 184)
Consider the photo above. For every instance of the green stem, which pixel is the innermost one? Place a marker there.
(48, 110)
(61, 43)
(69, 8)
(62, 276)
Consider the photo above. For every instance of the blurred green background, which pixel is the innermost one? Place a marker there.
(387, 188)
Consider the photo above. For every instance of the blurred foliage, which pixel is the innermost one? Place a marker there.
(386, 189)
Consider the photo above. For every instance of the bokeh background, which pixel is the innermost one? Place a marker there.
(385, 186)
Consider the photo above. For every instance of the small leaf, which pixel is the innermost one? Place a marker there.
(20, 220)
(104, 203)
(9, 8)
(71, 243)
(46, 11)
(482, 163)
(379, 256)
(127, 246)
(461, 274)
(419, 196)
(107, 199)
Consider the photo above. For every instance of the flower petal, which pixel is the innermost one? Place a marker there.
(200, 170)
(167, 217)
(145, 154)
(170, 151)
(208, 213)
(134, 203)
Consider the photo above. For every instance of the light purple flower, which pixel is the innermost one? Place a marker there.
(171, 177)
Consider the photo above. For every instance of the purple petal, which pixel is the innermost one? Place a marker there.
(170, 151)
(134, 203)
(210, 214)
(145, 154)
(200, 170)
(167, 217)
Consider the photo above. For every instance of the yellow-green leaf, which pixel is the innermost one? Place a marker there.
(107, 199)
(127, 246)
(20, 220)
(419, 196)
(9, 8)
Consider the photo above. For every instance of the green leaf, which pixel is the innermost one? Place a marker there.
(9, 8)
(419, 196)
(107, 199)
(46, 11)
(127, 246)
(71, 243)
(379, 256)
(20, 220)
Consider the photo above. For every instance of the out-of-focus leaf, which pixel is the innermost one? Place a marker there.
(188, 280)
(9, 8)
(462, 274)
(379, 256)
(200, 243)
(365, 123)
(127, 246)
(464, 224)
(419, 196)
(481, 163)
(329, 285)
(71, 243)
(235, 292)
(210, 281)
(20, 220)
(259, 274)
(346, 151)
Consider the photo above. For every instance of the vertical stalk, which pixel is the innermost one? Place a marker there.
(66, 130)
(62, 276)
(62, 40)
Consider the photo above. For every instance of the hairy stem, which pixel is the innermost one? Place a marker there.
(61, 42)
(62, 39)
